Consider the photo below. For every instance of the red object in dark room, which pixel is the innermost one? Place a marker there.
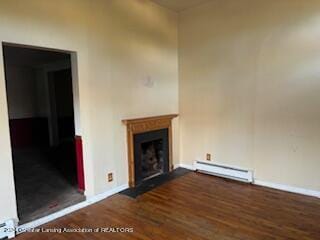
(80, 170)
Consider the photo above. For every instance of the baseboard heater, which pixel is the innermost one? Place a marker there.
(7, 229)
(224, 171)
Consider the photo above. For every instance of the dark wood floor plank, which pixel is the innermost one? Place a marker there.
(199, 207)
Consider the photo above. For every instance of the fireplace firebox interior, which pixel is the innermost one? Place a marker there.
(151, 154)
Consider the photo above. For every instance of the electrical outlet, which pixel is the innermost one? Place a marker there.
(110, 177)
(208, 157)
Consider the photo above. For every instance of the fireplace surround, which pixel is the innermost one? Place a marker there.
(149, 144)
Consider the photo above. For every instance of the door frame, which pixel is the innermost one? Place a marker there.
(75, 89)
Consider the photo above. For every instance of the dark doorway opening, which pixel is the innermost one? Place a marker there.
(42, 131)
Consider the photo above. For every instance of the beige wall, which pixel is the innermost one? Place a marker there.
(119, 45)
(249, 87)
(249, 82)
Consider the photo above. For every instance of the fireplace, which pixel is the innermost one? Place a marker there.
(149, 147)
(151, 154)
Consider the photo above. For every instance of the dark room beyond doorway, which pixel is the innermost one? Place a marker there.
(41, 118)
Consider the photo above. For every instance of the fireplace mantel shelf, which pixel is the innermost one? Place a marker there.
(147, 119)
(140, 125)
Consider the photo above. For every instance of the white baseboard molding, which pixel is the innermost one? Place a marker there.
(282, 187)
(41, 221)
(106, 194)
(287, 188)
(186, 166)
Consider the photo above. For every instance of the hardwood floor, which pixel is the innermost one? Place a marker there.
(197, 206)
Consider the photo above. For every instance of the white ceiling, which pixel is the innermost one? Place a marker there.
(179, 5)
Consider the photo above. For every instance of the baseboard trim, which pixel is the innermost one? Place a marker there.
(41, 221)
(282, 187)
(287, 188)
(107, 194)
(186, 166)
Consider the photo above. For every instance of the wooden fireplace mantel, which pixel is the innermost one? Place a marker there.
(140, 125)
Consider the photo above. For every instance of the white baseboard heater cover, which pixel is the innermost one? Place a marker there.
(224, 171)
(7, 229)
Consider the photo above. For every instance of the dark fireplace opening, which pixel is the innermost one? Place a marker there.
(152, 158)
(151, 154)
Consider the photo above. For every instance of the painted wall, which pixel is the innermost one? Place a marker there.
(249, 87)
(127, 67)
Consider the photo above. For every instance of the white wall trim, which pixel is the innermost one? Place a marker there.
(106, 194)
(282, 187)
(88, 202)
(186, 166)
(307, 192)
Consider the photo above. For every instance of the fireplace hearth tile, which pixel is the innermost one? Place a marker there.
(152, 183)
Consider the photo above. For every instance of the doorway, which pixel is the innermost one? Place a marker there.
(39, 89)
